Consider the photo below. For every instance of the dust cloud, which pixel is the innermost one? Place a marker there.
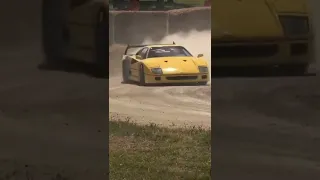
(197, 42)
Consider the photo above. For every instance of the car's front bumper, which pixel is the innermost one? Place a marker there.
(263, 54)
(177, 78)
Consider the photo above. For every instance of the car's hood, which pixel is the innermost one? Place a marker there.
(251, 19)
(176, 65)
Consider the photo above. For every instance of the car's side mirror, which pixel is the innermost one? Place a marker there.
(200, 55)
(138, 57)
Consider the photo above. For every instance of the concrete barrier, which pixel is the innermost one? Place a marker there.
(133, 27)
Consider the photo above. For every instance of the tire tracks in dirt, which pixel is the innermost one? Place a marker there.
(266, 128)
(178, 106)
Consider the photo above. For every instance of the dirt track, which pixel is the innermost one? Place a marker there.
(53, 122)
(169, 106)
(266, 128)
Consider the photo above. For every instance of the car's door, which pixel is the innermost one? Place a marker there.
(135, 65)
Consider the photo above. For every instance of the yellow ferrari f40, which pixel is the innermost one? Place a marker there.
(275, 33)
(163, 64)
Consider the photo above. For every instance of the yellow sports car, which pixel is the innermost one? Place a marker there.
(163, 64)
(276, 33)
(76, 30)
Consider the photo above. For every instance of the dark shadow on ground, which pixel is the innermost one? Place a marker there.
(165, 84)
(78, 67)
(262, 72)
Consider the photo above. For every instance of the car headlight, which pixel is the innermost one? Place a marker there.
(203, 69)
(156, 70)
(294, 25)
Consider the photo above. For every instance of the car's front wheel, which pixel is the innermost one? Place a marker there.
(125, 71)
(142, 76)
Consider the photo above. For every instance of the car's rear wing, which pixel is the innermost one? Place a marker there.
(128, 53)
(138, 46)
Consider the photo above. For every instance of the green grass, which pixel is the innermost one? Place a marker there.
(150, 152)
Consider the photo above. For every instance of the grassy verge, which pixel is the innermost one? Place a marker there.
(150, 152)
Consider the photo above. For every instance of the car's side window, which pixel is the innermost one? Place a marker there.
(144, 53)
(139, 52)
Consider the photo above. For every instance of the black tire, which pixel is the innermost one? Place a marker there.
(101, 39)
(125, 71)
(54, 32)
(142, 81)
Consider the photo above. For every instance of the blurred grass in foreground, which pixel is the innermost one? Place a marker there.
(139, 152)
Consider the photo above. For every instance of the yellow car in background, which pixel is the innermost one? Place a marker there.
(76, 30)
(163, 64)
(250, 33)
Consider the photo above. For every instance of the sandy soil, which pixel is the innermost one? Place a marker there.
(168, 106)
(53, 122)
(266, 128)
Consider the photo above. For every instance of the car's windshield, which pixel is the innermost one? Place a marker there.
(168, 51)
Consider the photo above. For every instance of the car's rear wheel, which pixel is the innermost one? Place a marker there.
(125, 71)
(142, 76)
